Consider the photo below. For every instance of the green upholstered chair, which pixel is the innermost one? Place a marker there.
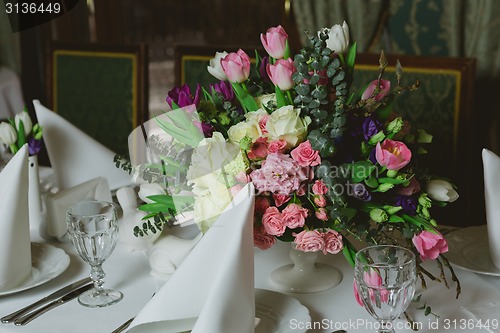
(101, 89)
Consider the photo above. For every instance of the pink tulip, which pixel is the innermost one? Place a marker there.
(385, 88)
(236, 66)
(430, 245)
(274, 41)
(281, 73)
(392, 154)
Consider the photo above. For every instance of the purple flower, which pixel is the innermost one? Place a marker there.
(359, 192)
(263, 69)
(409, 204)
(224, 88)
(371, 127)
(182, 96)
(34, 146)
(372, 156)
(207, 130)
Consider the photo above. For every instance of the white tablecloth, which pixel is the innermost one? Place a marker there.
(129, 272)
(11, 97)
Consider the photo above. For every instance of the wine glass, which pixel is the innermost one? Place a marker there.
(93, 230)
(385, 278)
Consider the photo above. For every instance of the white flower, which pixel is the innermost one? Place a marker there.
(262, 100)
(215, 68)
(149, 189)
(208, 207)
(25, 118)
(286, 124)
(8, 134)
(338, 38)
(441, 190)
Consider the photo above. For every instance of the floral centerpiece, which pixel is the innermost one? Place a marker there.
(20, 130)
(329, 165)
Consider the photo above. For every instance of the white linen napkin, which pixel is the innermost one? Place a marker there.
(491, 165)
(75, 156)
(15, 247)
(58, 203)
(212, 291)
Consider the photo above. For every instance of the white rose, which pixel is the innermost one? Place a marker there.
(286, 124)
(8, 134)
(210, 156)
(215, 68)
(262, 100)
(441, 190)
(338, 38)
(248, 128)
(25, 118)
(207, 208)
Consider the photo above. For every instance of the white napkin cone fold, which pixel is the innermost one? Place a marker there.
(75, 156)
(212, 291)
(15, 246)
(491, 166)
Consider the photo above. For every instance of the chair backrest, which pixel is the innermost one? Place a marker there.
(101, 89)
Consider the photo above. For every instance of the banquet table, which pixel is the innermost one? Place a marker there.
(330, 310)
(11, 99)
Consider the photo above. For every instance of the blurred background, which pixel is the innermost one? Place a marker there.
(425, 28)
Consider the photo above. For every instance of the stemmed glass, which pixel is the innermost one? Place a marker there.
(93, 230)
(385, 278)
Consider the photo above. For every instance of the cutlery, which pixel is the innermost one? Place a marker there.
(66, 298)
(58, 293)
(123, 326)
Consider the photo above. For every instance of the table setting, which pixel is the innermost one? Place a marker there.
(274, 201)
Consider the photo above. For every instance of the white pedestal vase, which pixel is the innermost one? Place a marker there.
(305, 275)
(34, 198)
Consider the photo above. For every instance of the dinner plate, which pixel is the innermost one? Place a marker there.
(277, 312)
(468, 248)
(47, 261)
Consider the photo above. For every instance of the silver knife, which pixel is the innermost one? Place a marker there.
(68, 297)
(61, 292)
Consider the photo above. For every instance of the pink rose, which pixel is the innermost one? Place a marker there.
(280, 73)
(302, 190)
(263, 122)
(319, 187)
(309, 241)
(371, 279)
(259, 149)
(304, 155)
(385, 88)
(262, 240)
(280, 199)
(274, 41)
(412, 188)
(242, 178)
(277, 146)
(356, 294)
(261, 204)
(294, 216)
(320, 200)
(321, 214)
(273, 222)
(333, 242)
(236, 66)
(392, 154)
(429, 244)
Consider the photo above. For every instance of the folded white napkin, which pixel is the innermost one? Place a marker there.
(58, 203)
(15, 247)
(212, 291)
(75, 156)
(491, 165)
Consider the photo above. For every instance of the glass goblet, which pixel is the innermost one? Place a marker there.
(93, 230)
(385, 278)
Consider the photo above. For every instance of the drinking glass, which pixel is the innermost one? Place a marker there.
(93, 230)
(385, 277)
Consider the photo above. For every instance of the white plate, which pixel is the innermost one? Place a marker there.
(276, 310)
(468, 248)
(47, 263)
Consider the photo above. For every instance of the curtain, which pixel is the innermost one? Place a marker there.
(10, 52)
